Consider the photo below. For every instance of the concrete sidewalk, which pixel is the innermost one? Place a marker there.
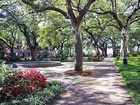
(105, 87)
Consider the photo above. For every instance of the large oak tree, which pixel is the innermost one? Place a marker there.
(74, 10)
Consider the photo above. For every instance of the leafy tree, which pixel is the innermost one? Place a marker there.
(73, 10)
(123, 14)
(96, 34)
(26, 23)
(8, 38)
(134, 36)
(55, 33)
(115, 40)
(8, 34)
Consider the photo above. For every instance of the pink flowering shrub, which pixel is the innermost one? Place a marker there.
(22, 81)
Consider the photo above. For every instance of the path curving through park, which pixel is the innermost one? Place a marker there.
(105, 87)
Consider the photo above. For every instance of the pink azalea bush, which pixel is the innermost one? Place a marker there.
(23, 81)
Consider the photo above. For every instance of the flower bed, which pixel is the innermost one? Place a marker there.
(28, 87)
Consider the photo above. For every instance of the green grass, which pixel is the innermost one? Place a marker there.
(131, 75)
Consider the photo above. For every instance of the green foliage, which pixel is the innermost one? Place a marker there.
(47, 96)
(33, 97)
(48, 35)
(18, 19)
(134, 35)
(133, 54)
(3, 68)
(54, 31)
(131, 75)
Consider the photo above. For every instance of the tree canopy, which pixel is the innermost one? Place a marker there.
(65, 23)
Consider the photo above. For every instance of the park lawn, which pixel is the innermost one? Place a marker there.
(131, 75)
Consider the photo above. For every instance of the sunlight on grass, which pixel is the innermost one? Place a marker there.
(131, 75)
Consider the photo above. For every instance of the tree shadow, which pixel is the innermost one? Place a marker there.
(100, 70)
(80, 96)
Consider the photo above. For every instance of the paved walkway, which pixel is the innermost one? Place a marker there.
(104, 87)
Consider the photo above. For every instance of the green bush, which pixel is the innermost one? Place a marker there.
(46, 96)
(3, 68)
(20, 82)
(12, 82)
(133, 54)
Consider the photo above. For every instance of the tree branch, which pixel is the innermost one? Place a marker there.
(1, 39)
(135, 20)
(114, 26)
(85, 9)
(114, 15)
(38, 8)
(70, 11)
(133, 13)
(54, 9)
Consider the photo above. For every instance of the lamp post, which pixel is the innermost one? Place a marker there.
(125, 39)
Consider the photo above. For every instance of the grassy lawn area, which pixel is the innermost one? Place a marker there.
(131, 75)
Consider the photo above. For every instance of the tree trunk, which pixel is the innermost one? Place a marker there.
(33, 53)
(78, 48)
(105, 51)
(61, 52)
(138, 48)
(98, 54)
(124, 50)
(114, 47)
(121, 50)
(114, 52)
(125, 43)
(12, 51)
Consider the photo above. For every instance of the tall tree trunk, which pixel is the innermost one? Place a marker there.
(61, 51)
(98, 54)
(113, 47)
(33, 53)
(124, 45)
(12, 51)
(105, 52)
(114, 52)
(121, 50)
(78, 48)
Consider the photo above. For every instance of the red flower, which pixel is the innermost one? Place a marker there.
(21, 80)
(31, 86)
(17, 91)
(33, 72)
